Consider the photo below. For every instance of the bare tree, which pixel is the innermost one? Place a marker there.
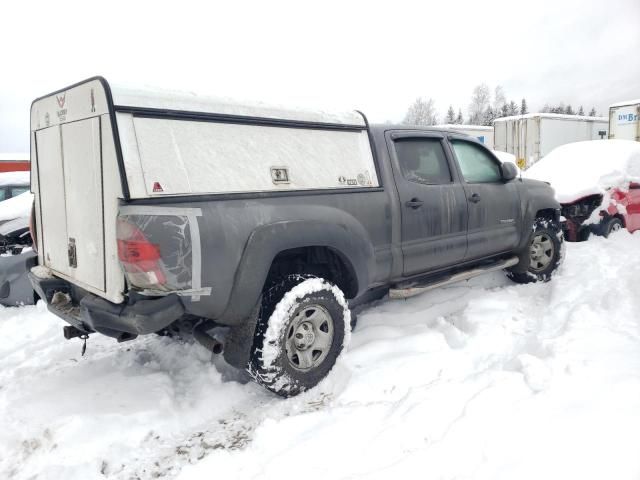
(479, 104)
(421, 112)
(499, 99)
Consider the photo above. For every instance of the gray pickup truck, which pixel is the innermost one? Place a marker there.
(261, 230)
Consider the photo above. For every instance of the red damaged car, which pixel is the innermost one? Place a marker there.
(597, 183)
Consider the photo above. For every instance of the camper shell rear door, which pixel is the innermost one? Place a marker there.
(76, 181)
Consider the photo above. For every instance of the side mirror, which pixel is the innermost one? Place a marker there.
(509, 171)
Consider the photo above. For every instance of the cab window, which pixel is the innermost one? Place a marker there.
(477, 165)
(422, 160)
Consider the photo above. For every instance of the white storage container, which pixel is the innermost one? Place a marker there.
(482, 133)
(624, 120)
(530, 137)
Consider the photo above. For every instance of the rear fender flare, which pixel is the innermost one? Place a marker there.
(349, 240)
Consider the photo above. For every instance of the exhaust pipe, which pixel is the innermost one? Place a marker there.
(207, 341)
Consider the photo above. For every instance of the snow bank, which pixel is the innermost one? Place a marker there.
(585, 168)
(16, 207)
(15, 178)
(482, 380)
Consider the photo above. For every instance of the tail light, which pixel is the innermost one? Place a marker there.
(139, 257)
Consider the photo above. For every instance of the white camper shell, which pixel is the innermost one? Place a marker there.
(624, 120)
(94, 145)
(530, 137)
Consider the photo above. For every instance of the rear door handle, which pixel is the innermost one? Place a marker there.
(475, 198)
(414, 203)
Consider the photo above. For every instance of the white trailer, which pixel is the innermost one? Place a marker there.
(530, 137)
(624, 120)
(481, 132)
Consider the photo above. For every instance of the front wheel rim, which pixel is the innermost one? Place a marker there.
(541, 252)
(309, 337)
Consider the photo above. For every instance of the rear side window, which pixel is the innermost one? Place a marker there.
(422, 160)
(476, 164)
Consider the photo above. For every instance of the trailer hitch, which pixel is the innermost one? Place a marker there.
(73, 332)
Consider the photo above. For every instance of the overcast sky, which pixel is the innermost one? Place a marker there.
(375, 57)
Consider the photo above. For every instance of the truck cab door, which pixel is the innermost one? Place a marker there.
(432, 202)
(494, 205)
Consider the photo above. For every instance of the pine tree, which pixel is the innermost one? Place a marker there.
(513, 108)
(451, 116)
(459, 118)
(504, 111)
(569, 110)
(523, 107)
(592, 112)
(488, 117)
(581, 111)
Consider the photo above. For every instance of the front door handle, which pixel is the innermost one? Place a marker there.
(414, 203)
(475, 198)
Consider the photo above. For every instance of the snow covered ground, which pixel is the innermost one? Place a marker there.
(484, 379)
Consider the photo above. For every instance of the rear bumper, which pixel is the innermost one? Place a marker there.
(90, 313)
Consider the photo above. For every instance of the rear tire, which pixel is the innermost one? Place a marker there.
(303, 326)
(546, 250)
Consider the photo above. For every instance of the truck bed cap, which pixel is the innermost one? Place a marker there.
(153, 98)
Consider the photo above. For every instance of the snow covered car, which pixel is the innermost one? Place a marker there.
(16, 256)
(597, 183)
(13, 184)
(14, 223)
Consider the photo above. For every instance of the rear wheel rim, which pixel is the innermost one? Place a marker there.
(309, 337)
(541, 252)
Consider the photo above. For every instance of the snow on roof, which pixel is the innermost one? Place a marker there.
(553, 115)
(5, 157)
(16, 207)
(624, 104)
(15, 178)
(190, 101)
(458, 126)
(576, 170)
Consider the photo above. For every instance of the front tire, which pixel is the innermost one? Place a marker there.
(303, 326)
(546, 250)
(611, 225)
